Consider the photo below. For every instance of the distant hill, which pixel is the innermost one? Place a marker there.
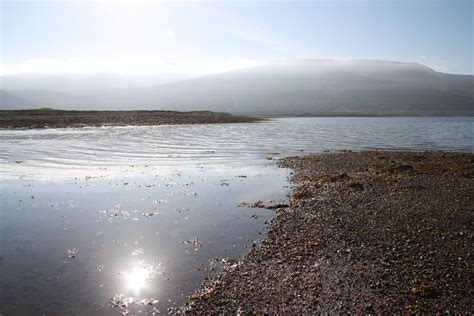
(292, 87)
(12, 101)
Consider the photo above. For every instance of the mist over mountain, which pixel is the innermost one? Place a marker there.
(291, 87)
(84, 83)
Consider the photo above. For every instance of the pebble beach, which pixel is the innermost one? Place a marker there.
(364, 232)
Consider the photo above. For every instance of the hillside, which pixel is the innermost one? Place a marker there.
(292, 87)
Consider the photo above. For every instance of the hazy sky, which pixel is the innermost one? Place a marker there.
(195, 37)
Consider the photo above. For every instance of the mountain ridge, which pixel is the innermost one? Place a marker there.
(285, 87)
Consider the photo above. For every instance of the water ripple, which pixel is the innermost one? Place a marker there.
(43, 152)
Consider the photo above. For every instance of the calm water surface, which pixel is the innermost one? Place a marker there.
(139, 216)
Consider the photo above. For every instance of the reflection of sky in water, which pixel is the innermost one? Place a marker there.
(145, 242)
(103, 221)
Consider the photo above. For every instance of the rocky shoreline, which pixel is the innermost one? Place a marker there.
(364, 232)
(51, 118)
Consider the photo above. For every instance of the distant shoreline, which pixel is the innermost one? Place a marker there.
(351, 114)
(364, 232)
(52, 118)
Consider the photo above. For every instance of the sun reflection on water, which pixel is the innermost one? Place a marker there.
(136, 283)
(140, 275)
(137, 279)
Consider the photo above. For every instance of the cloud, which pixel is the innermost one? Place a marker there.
(252, 33)
(438, 64)
(279, 45)
(129, 65)
(171, 34)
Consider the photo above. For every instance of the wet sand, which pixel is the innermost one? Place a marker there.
(50, 118)
(364, 232)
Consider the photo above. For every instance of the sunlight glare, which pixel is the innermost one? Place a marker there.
(137, 278)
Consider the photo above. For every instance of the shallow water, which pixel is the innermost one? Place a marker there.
(90, 214)
(149, 237)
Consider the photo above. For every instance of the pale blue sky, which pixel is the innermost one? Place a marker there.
(198, 37)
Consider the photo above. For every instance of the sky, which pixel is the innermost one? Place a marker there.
(196, 37)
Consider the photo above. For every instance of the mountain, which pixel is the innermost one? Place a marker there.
(79, 83)
(14, 101)
(291, 87)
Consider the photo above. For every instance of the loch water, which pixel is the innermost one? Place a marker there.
(133, 219)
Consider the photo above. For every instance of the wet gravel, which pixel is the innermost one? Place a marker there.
(364, 232)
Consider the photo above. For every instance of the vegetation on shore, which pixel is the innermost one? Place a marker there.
(51, 111)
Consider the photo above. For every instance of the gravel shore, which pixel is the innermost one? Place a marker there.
(364, 232)
(50, 118)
